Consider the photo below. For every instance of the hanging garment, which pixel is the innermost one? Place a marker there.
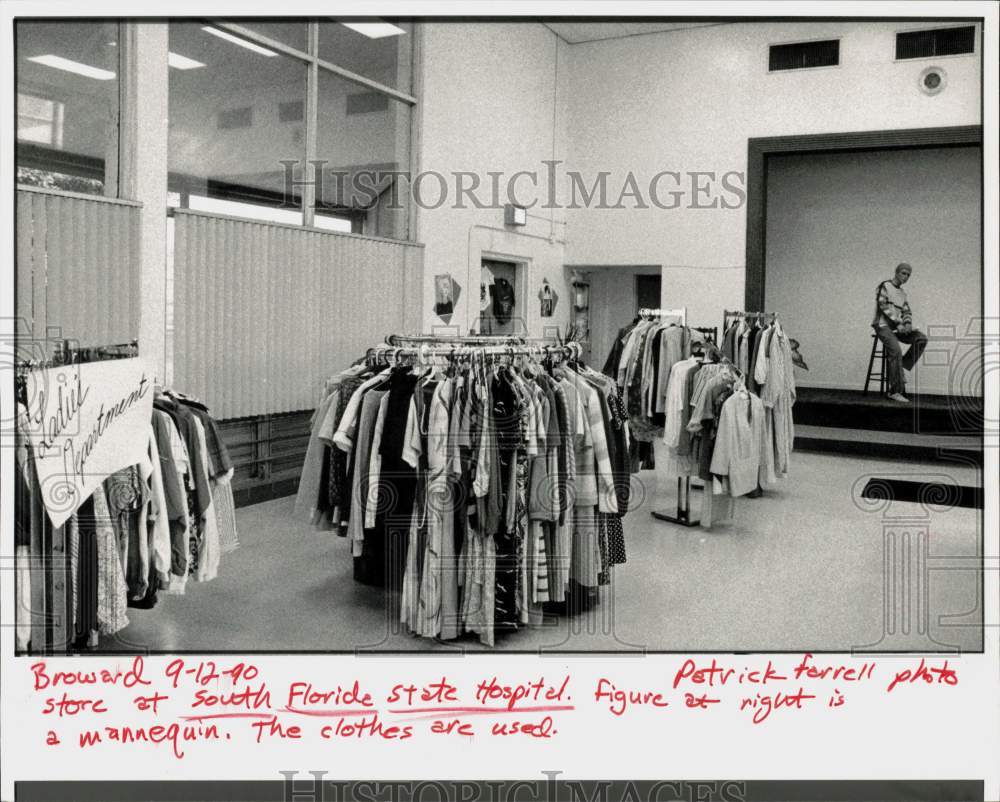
(210, 547)
(737, 453)
(503, 301)
(126, 496)
(173, 472)
(112, 591)
(364, 431)
(158, 517)
(307, 498)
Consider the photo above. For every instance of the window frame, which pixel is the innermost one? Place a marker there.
(314, 64)
(839, 39)
(113, 173)
(976, 41)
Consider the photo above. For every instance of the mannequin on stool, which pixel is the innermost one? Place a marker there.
(893, 325)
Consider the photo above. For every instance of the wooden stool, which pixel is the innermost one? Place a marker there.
(878, 352)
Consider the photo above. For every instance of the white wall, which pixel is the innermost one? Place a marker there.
(612, 305)
(838, 224)
(689, 100)
(493, 99)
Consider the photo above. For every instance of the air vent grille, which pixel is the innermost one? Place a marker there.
(236, 118)
(367, 103)
(804, 55)
(292, 111)
(936, 42)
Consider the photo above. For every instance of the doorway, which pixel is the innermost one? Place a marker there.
(500, 299)
(647, 292)
(616, 293)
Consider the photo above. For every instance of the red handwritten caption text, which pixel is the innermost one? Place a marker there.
(191, 702)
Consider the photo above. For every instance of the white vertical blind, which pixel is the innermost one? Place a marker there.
(77, 269)
(263, 312)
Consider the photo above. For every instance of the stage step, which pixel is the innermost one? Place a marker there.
(889, 445)
(924, 415)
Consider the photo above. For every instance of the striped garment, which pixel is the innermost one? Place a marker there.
(891, 306)
(607, 498)
(225, 515)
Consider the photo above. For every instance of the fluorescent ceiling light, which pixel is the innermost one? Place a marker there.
(374, 30)
(60, 63)
(179, 62)
(237, 40)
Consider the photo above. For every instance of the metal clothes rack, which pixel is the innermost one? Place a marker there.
(449, 348)
(66, 353)
(680, 312)
(682, 515)
(731, 315)
(711, 333)
(457, 339)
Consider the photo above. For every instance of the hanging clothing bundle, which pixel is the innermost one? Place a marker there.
(714, 427)
(481, 480)
(640, 361)
(756, 343)
(144, 530)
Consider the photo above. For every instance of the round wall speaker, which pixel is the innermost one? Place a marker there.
(933, 80)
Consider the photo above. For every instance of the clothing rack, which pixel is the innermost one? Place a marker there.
(50, 599)
(730, 315)
(682, 515)
(469, 339)
(377, 424)
(711, 333)
(455, 350)
(65, 353)
(680, 312)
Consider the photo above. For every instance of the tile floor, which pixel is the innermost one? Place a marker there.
(808, 566)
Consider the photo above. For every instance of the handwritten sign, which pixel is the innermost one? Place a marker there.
(84, 423)
(176, 705)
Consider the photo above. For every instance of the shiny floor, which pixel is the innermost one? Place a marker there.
(810, 565)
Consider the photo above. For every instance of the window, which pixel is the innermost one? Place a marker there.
(238, 120)
(68, 105)
(936, 42)
(227, 141)
(804, 55)
(290, 32)
(40, 120)
(377, 49)
(363, 155)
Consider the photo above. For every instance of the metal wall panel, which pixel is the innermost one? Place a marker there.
(263, 312)
(77, 269)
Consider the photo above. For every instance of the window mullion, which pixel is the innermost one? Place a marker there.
(119, 157)
(312, 102)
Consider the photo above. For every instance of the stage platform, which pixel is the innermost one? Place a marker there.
(930, 427)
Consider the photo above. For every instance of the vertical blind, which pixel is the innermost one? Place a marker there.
(77, 268)
(263, 312)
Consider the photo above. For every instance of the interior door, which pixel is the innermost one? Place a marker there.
(647, 292)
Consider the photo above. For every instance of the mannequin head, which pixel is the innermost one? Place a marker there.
(903, 272)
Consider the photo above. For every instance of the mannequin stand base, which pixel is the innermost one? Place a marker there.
(680, 518)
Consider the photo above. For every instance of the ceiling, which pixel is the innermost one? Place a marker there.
(577, 32)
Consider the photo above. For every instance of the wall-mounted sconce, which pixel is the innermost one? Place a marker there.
(515, 215)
